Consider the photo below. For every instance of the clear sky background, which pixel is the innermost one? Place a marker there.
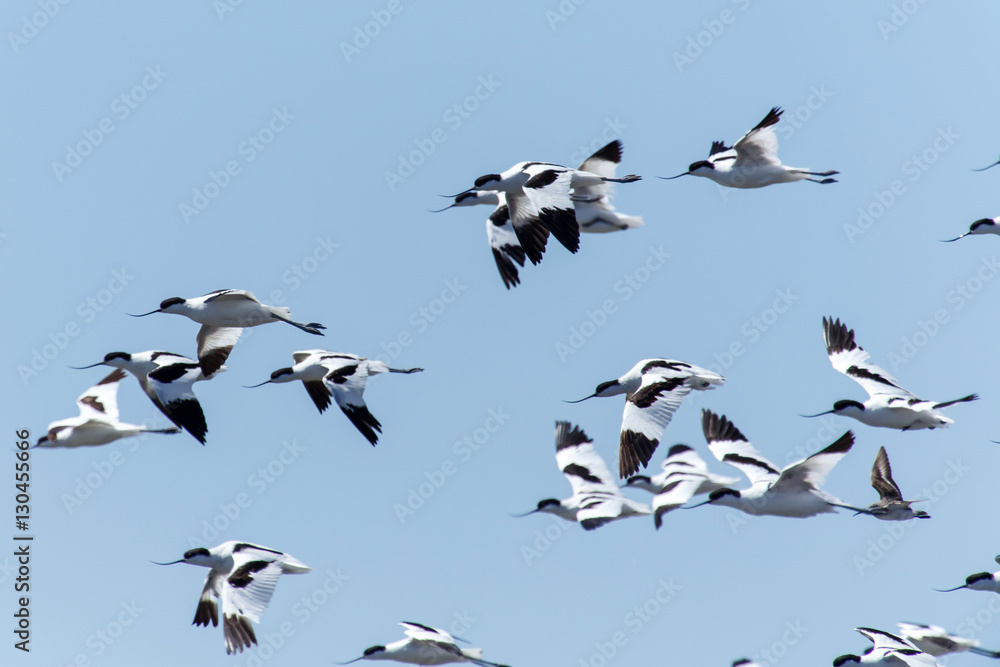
(171, 150)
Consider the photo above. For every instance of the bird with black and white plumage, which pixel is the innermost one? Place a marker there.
(539, 197)
(596, 499)
(167, 379)
(98, 423)
(889, 405)
(684, 475)
(980, 581)
(223, 314)
(979, 227)
(341, 376)
(793, 491)
(424, 645)
(592, 205)
(654, 389)
(242, 578)
(752, 162)
(935, 640)
(888, 650)
(890, 505)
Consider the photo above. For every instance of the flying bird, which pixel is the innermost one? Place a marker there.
(168, 381)
(223, 314)
(752, 162)
(980, 581)
(888, 651)
(890, 506)
(242, 578)
(540, 200)
(654, 389)
(793, 491)
(889, 405)
(341, 376)
(98, 423)
(425, 645)
(591, 203)
(935, 640)
(979, 227)
(596, 500)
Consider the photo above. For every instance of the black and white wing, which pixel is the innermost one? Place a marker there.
(896, 650)
(809, 473)
(679, 489)
(425, 632)
(584, 468)
(504, 244)
(230, 295)
(683, 459)
(604, 162)
(214, 346)
(245, 595)
(100, 402)
(172, 384)
(208, 604)
(597, 497)
(759, 146)
(346, 382)
(730, 446)
(851, 359)
(531, 233)
(548, 187)
(647, 412)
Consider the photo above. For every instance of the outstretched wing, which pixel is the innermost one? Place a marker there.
(100, 402)
(882, 478)
(850, 359)
(759, 146)
(214, 346)
(245, 595)
(172, 385)
(647, 412)
(346, 381)
(730, 446)
(504, 245)
(548, 189)
(810, 473)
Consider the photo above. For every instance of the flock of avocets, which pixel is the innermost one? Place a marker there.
(532, 200)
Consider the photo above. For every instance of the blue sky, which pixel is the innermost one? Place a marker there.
(173, 150)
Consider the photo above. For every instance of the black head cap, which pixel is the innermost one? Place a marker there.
(281, 371)
(840, 405)
(191, 553)
(465, 195)
(678, 449)
(841, 659)
(483, 180)
(547, 502)
(978, 576)
(373, 649)
(124, 356)
(701, 163)
(166, 303)
(640, 478)
(605, 385)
